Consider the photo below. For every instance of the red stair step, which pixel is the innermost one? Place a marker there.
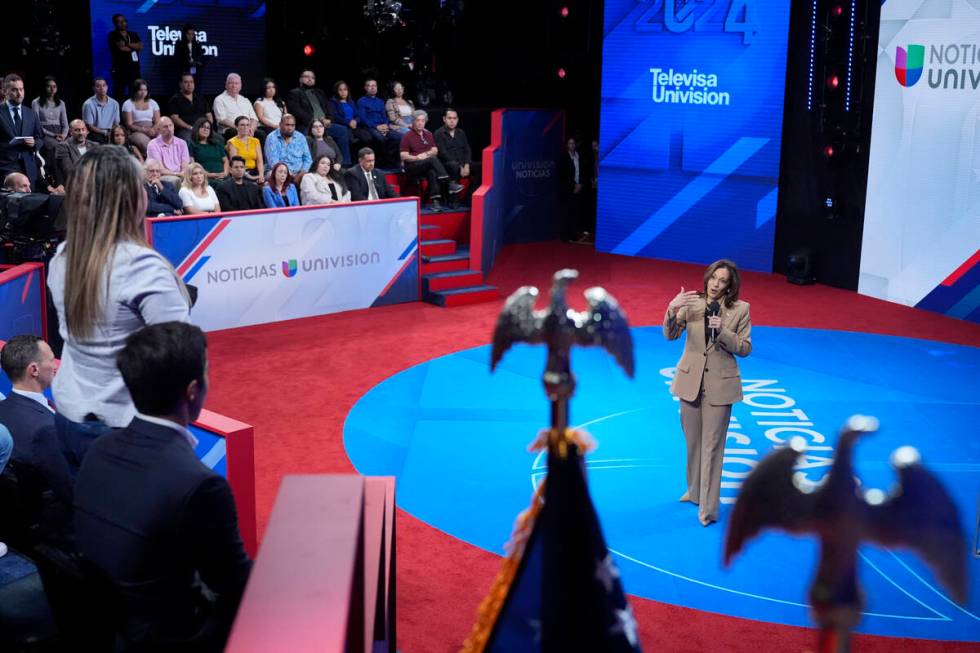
(438, 247)
(451, 280)
(463, 296)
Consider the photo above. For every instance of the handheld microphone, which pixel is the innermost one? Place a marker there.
(713, 309)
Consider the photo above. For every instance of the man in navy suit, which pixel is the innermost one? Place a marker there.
(359, 179)
(38, 461)
(153, 517)
(20, 132)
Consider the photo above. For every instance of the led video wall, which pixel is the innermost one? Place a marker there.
(691, 124)
(921, 244)
(231, 34)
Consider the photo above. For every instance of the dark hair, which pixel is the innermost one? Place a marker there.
(99, 78)
(448, 109)
(112, 134)
(159, 361)
(54, 98)
(336, 88)
(332, 174)
(19, 352)
(241, 118)
(11, 78)
(185, 27)
(238, 158)
(275, 97)
(196, 131)
(731, 293)
(115, 16)
(272, 178)
(134, 88)
(363, 152)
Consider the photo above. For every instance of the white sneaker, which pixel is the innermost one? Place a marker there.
(3, 549)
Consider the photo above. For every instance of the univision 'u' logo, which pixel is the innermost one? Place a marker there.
(908, 64)
(289, 268)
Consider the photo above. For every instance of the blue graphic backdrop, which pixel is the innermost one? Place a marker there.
(235, 33)
(691, 124)
(21, 305)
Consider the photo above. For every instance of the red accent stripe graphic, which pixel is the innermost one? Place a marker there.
(27, 286)
(396, 277)
(963, 269)
(554, 121)
(190, 260)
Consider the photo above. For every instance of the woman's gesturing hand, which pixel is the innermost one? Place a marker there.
(682, 299)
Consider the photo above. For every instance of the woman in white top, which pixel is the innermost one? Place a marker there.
(269, 108)
(53, 116)
(323, 185)
(195, 192)
(106, 283)
(399, 109)
(140, 115)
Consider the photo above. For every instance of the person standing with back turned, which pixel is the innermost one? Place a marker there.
(707, 380)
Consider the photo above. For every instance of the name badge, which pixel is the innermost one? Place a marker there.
(136, 56)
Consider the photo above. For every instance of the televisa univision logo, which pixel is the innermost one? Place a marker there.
(289, 268)
(908, 64)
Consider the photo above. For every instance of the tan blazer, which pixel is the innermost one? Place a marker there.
(716, 361)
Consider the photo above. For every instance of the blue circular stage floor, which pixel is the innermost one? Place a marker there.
(455, 437)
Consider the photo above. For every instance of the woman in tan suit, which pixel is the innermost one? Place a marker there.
(707, 380)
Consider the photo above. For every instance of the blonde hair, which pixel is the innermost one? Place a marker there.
(105, 204)
(189, 171)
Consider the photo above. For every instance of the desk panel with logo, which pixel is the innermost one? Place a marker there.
(267, 266)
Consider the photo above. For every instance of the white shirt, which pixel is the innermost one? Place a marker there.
(574, 156)
(141, 115)
(142, 289)
(271, 112)
(197, 203)
(159, 421)
(372, 189)
(36, 396)
(314, 189)
(227, 108)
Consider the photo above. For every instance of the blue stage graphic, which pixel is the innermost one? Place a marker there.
(691, 125)
(455, 436)
(231, 33)
(21, 301)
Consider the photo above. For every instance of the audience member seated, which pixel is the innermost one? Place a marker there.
(230, 105)
(247, 146)
(323, 184)
(308, 104)
(53, 116)
(364, 183)
(151, 516)
(371, 110)
(69, 152)
(140, 115)
(399, 109)
(238, 193)
(196, 194)
(187, 107)
(269, 108)
(161, 197)
(206, 148)
(280, 192)
(420, 158)
(30, 365)
(20, 132)
(105, 283)
(100, 112)
(285, 145)
(320, 144)
(343, 112)
(16, 182)
(119, 137)
(169, 150)
(454, 148)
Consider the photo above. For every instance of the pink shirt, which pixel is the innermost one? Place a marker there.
(173, 156)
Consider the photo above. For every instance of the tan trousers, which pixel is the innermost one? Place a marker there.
(705, 427)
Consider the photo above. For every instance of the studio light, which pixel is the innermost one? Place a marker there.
(561, 73)
(564, 12)
(799, 265)
(833, 82)
(309, 50)
(828, 151)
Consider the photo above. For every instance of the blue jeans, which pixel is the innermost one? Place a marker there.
(341, 134)
(6, 446)
(75, 438)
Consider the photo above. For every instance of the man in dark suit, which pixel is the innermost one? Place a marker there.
(161, 197)
(150, 515)
(20, 132)
(37, 457)
(362, 177)
(307, 102)
(70, 151)
(238, 193)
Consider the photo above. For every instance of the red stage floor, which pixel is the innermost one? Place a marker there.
(296, 383)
